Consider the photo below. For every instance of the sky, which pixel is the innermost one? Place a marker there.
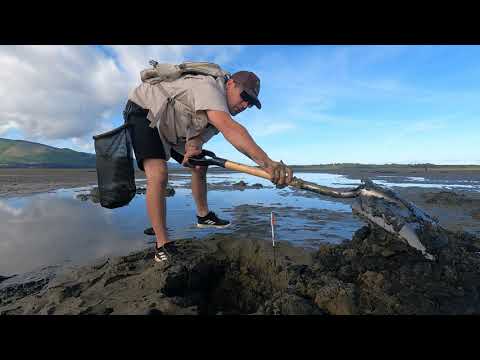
(320, 104)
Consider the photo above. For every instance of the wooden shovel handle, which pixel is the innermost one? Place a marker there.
(247, 169)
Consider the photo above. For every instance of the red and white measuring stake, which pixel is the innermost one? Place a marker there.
(272, 223)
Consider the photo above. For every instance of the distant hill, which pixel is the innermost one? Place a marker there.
(27, 154)
(21, 153)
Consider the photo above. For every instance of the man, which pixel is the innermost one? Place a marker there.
(174, 119)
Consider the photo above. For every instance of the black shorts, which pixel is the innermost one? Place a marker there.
(145, 140)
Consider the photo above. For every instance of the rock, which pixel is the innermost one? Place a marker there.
(94, 194)
(83, 197)
(140, 190)
(243, 185)
(240, 184)
(2, 278)
(387, 252)
(169, 191)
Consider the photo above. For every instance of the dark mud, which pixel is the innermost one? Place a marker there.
(450, 198)
(456, 210)
(373, 273)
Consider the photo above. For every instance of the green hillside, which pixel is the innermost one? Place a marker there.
(20, 153)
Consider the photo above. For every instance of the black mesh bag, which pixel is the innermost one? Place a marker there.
(115, 171)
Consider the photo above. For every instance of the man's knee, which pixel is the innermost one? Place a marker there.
(156, 171)
(199, 170)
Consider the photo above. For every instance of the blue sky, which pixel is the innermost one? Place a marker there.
(321, 104)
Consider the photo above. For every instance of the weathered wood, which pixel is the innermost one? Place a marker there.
(324, 190)
(384, 208)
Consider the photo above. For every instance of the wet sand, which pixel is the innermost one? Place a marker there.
(20, 182)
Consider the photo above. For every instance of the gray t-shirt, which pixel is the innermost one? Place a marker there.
(185, 117)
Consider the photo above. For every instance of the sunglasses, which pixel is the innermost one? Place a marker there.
(247, 98)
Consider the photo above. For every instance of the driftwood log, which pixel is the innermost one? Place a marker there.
(383, 207)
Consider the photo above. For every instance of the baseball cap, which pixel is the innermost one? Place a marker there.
(250, 83)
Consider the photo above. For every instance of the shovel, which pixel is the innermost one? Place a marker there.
(207, 158)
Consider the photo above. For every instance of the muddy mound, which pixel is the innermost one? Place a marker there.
(389, 277)
(374, 273)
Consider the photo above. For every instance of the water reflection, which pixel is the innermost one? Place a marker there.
(56, 228)
(48, 229)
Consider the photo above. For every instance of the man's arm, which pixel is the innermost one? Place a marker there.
(238, 136)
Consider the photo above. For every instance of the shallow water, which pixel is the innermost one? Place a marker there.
(55, 228)
(395, 181)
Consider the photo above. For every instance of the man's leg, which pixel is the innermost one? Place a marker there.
(199, 189)
(157, 177)
(205, 218)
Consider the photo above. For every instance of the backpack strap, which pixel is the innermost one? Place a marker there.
(171, 101)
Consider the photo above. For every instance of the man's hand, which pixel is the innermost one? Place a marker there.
(281, 174)
(192, 147)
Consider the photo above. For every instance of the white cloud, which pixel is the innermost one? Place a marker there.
(57, 94)
(10, 210)
(5, 126)
(134, 58)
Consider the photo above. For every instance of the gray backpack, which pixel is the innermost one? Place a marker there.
(170, 72)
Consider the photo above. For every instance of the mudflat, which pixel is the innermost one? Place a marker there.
(432, 172)
(24, 181)
(18, 182)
